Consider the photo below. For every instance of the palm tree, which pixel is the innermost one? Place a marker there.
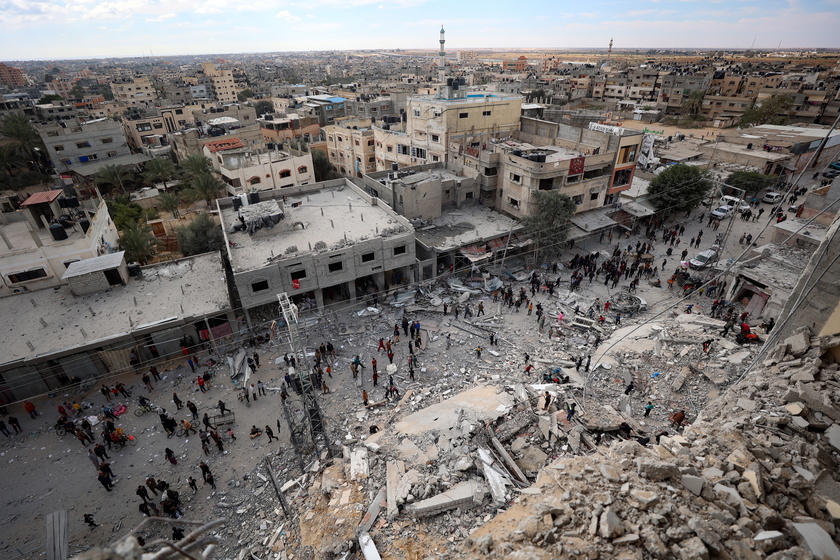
(10, 160)
(170, 202)
(195, 165)
(692, 102)
(115, 175)
(159, 170)
(205, 187)
(138, 242)
(22, 135)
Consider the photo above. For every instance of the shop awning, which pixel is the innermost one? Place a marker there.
(636, 209)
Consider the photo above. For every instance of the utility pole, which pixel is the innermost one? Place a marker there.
(317, 430)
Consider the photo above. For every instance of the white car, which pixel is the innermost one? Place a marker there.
(704, 259)
(772, 197)
(734, 202)
(722, 212)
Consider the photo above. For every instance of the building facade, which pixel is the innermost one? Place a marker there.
(71, 144)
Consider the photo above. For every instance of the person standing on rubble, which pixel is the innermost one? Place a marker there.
(478, 353)
(570, 411)
(449, 341)
(364, 397)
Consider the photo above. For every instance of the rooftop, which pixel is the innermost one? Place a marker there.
(90, 169)
(552, 153)
(338, 216)
(464, 226)
(96, 264)
(19, 233)
(159, 296)
(226, 144)
(42, 197)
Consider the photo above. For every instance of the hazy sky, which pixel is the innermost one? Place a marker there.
(31, 29)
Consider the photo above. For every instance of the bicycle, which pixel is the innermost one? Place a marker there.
(141, 410)
(242, 399)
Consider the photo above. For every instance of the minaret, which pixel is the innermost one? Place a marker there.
(441, 54)
(609, 51)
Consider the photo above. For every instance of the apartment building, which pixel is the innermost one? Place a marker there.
(351, 146)
(244, 170)
(51, 232)
(280, 127)
(137, 91)
(518, 65)
(71, 144)
(11, 77)
(675, 85)
(326, 108)
(330, 243)
(372, 107)
(222, 86)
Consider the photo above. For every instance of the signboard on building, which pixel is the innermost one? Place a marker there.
(647, 150)
(614, 130)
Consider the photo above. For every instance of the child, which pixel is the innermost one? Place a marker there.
(230, 433)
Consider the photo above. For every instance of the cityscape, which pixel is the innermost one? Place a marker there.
(389, 287)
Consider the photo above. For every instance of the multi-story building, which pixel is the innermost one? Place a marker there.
(676, 85)
(372, 107)
(138, 91)
(326, 108)
(351, 146)
(49, 233)
(222, 86)
(57, 111)
(518, 65)
(280, 127)
(62, 87)
(245, 170)
(11, 77)
(71, 144)
(330, 243)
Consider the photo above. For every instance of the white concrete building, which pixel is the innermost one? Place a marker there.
(250, 171)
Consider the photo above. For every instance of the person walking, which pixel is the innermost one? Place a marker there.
(30, 409)
(100, 451)
(257, 359)
(206, 421)
(105, 480)
(93, 459)
(253, 390)
(121, 388)
(648, 408)
(143, 493)
(4, 429)
(105, 392)
(147, 381)
(222, 408)
(154, 371)
(192, 482)
(270, 433)
(478, 353)
(728, 325)
(261, 385)
(201, 383)
(570, 411)
(193, 409)
(188, 427)
(170, 456)
(88, 517)
(629, 388)
(448, 341)
(191, 363)
(178, 403)
(151, 484)
(364, 397)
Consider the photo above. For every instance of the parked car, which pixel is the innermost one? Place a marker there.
(704, 259)
(835, 165)
(722, 212)
(772, 197)
(734, 202)
(831, 174)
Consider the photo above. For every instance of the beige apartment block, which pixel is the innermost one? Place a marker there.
(136, 91)
(221, 82)
(351, 146)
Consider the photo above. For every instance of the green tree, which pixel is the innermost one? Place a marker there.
(550, 225)
(679, 188)
(773, 110)
(77, 92)
(114, 175)
(245, 94)
(10, 162)
(170, 202)
(17, 128)
(692, 102)
(159, 170)
(195, 165)
(49, 99)
(751, 181)
(263, 107)
(324, 170)
(203, 235)
(536, 95)
(138, 242)
(205, 187)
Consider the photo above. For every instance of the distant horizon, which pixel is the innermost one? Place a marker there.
(39, 30)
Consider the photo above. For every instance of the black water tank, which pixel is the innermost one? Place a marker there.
(237, 203)
(65, 222)
(57, 232)
(253, 197)
(395, 167)
(517, 153)
(73, 202)
(449, 81)
(270, 145)
(84, 223)
(134, 269)
(455, 86)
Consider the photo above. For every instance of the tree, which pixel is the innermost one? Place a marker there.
(324, 170)
(195, 165)
(114, 175)
(77, 92)
(536, 95)
(159, 170)
(751, 181)
(550, 225)
(21, 134)
(203, 235)
(245, 94)
(679, 188)
(170, 202)
(49, 99)
(263, 107)
(205, 187)
(692, 102)
(10, 161)
(138, 242)
(773, 110)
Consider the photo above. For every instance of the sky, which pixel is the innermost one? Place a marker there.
(56, 29)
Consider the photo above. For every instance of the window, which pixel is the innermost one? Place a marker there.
(578, 199)
(112, 153)
(593, 196)
(255, 180)
(402, 149)
(285, 173)
(158, 125)
(302, 169)
(416, 112)
(627, 154)
(490, 171)
(399, 250)
(83, 144)
(357, 142)
(107, 140)
(435, 158)
(371, 159)
(68, 263)
(418, 153)
(144, 127)
(370, 142)
(463, 115)
(259, 286)
(368, 257)
(298, 274)
(513, 202)
(435, 138)
(622, 177)
(485, 113)
(58, 148)
(470, 195)
(179, 111)
(390, 148)
(28, 275)
(336, 266)
(515, 178)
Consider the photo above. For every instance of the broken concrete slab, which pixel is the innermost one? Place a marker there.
(532, 459)
(495, 480)
(798, 343)
(410, 453)
(359, 468)
(818, 541)
(645, 497)
(392, 479)
(379, 502)
(481, 404)
(833, 435)
(693, 484)
(508, 460)
(610, 525)
(368, 547)
(466, 494)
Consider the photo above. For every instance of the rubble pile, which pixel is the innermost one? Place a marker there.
(754, 477)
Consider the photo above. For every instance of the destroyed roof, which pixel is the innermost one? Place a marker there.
(221, 145)
(170, 292)
(465, 226)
